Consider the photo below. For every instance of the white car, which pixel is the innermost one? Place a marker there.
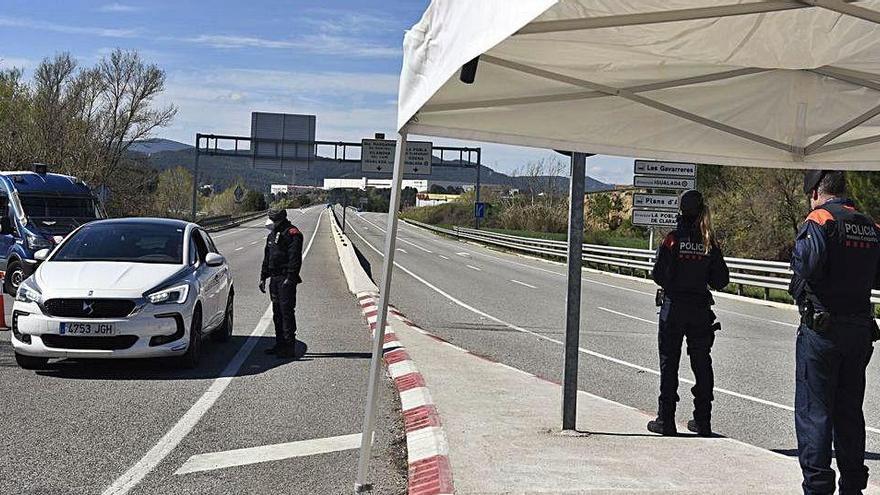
(124, 288)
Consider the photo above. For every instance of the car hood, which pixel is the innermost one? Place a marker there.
(102, 278)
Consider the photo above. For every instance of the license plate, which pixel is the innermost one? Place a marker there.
(93, 329)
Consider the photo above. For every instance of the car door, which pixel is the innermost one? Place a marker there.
(205, 276)
(223, 276)
(7, 232)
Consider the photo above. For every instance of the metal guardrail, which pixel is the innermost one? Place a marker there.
(220, 222)
(743, 271)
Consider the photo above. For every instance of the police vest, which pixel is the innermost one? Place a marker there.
(853, 251)
(690, 270)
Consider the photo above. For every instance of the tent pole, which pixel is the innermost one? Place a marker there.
(573, 298)
(379, 333)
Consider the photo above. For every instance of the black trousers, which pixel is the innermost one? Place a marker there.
(283, 310)
(829, 392)
(678, 321)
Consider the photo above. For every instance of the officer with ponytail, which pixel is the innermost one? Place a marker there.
(688, 264)
(836, 263)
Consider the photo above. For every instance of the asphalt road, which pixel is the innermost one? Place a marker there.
(129, 426)
(512, 309)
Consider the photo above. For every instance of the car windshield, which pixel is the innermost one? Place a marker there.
(124, 242)
(57, 213)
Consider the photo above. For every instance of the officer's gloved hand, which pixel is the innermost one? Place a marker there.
(287, 283)
(262, 286)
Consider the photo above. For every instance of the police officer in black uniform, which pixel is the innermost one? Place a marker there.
(282, 260)
(688, 263)
(835, 262)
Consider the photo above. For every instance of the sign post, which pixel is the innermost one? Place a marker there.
(655, 209)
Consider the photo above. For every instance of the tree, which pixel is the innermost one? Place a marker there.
(82, 121)
(408, 197)
(254, 201)
(863, 188)
(174, 193)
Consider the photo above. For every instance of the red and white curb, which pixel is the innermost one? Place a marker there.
(427, 451)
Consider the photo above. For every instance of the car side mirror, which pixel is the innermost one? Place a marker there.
(41, 255)
(214, 259)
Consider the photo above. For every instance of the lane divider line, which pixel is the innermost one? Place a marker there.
(581, 349)
(188, 421)
(530, 286)
(618, 313)
(472, 267)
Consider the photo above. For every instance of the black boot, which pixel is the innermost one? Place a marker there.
(663, 426)
(701, 428)
(288, 351)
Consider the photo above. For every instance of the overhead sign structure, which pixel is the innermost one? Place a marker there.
(655, 218)
(664, 201)
(665, 169)
(377, 155)
(664, 182)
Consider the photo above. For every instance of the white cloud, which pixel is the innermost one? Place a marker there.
(16, 62)
(24, 23)
(323, 44)
(117, 7)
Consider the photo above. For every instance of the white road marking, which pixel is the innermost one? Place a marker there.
(402, 250)
(581, 349)
(792, 325)
(185, 424)
(254, 243)
(266, 453)
(530, 286)
(626, 315)
(239, 248)
(472, 267)
(444, 257)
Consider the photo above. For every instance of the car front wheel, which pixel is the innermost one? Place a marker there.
(190, 360)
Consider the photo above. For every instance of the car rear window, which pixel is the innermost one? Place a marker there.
(132, 243)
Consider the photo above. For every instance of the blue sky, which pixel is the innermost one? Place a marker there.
(339, 59)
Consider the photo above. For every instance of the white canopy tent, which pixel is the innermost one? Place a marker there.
(754, 83)
(762, 83)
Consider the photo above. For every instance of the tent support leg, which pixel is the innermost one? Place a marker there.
(573, 299)
(379, 333)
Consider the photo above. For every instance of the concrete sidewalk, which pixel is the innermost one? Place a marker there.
(502, 425)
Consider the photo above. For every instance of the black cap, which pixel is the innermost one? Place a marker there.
(276, 215)
(691, 203)
(812, 178)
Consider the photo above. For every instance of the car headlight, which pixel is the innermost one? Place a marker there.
(36, 242)
(173, 295)
(29, 292)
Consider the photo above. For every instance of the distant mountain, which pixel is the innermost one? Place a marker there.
(222, 171)
(156, 145)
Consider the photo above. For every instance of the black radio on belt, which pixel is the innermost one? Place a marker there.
(659, 297)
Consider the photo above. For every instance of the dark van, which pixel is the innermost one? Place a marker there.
(38, 210)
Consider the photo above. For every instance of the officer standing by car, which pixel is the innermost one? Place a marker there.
(282, 260)
(688, 263)
(836, 263)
